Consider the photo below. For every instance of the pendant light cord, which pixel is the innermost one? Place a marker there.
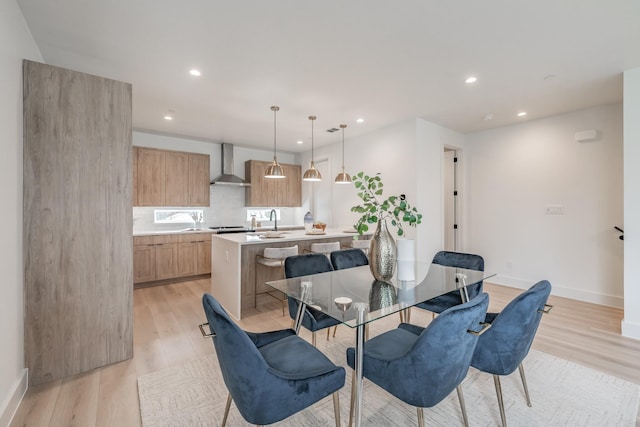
(274, 132)
(343, 126)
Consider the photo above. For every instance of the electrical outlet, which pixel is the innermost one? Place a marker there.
(554, 210)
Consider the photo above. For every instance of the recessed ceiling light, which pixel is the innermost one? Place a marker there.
(522, 113)
(168, 118)
(471, 79)
(360, 120)
(195, 72)
(300, 142)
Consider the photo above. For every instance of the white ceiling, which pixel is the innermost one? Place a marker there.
(382, 60)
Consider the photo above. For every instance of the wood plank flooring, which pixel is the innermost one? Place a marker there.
(166, 334)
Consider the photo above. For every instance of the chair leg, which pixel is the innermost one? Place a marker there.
(420, 417)
(336, 407)
(226, 410)
(335, 329)
(328, 332)
(524, 384)
(462, 406)
(353, 396)
(313, 338)
(503, 417)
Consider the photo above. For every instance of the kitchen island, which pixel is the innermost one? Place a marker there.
(233, 258)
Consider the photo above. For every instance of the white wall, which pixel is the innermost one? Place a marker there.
(16, 44)
(516, 171)
(631, 321)
(409, 157)
(227, 205)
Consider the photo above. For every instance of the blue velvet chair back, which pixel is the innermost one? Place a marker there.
(437, 360)
(503, 347)
(303, 265)
(243, 367)
(270, 375)
(348, 258)
(306, 264)
(459, 259)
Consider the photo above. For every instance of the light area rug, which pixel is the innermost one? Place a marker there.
(563, 393)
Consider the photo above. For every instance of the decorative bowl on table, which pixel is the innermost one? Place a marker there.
(319, 226)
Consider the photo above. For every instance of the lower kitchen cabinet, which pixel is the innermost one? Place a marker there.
(171, 256)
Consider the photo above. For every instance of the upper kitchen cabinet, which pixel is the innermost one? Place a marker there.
(171, 178)
(199, 179)
(268, 192)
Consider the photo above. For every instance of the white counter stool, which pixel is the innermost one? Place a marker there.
(274, 258)
(325, 248)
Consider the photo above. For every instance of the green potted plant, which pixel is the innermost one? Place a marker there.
(375, 209)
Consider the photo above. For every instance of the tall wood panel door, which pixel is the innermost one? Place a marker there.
(78, 260)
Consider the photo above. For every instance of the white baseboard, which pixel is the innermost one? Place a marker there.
(561, 291)
(13, 399)
(630, 330)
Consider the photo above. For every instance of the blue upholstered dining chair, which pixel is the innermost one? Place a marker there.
(348, 258)
(422, 366)
(304, 265)
(272, 375)
(460, 260)
(503, 348)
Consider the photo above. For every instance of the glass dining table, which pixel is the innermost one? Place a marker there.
(353, 297)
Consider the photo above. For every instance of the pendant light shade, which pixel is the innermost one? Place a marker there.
(312, 174)
(343, 177)
(274, 170)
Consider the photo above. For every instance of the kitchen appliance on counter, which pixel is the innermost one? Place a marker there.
(223, 229)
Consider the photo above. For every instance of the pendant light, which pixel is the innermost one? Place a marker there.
(343, 177)
(274, 170)
(312, 174)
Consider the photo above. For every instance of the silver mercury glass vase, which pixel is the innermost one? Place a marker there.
(382, 253)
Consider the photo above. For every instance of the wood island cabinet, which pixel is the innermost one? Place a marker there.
(269, 192)
(170, 256)
(170, 178)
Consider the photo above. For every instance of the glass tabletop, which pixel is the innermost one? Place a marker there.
(335, 293)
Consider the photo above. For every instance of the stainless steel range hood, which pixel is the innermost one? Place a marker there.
(228, 177)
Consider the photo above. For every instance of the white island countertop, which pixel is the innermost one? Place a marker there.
(237, 280)
(282, 236)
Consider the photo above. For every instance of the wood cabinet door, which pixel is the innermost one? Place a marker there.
(166, 260)
(144, 263)
(187, 259)
(176, 179)
(290, 192)
(199, 180)
(263, 191)
(151, 177)
(204, 257)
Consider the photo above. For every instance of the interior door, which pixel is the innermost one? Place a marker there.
(450, 203)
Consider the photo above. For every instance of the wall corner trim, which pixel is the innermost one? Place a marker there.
(630, 330)
(14, 398)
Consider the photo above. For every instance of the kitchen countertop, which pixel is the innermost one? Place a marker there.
(286, 236)
(206, 229)
(179, 231)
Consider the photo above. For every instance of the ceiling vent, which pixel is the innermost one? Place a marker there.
(332, 130)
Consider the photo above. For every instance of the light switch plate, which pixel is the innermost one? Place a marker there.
(554, 210)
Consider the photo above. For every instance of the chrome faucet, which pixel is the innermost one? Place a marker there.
(271, 215)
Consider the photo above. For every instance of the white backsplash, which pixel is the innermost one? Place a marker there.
(227, 209)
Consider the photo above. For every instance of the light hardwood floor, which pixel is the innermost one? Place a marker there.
(166, 334)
